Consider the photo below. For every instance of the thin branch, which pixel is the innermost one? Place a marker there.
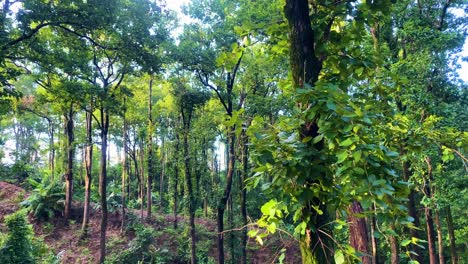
(443, 14)
(83, 36)
(234, 71)
(207, 84)
(26, 36)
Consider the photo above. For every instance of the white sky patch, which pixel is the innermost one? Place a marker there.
(176, 5)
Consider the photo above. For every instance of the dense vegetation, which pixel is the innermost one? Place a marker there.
(340, 125)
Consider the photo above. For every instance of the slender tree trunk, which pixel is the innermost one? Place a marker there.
(440, 242)
(414, 232)
(88, 167)
(69, 130)
(103, 183)
(373, 227)
(395, 249)
(188, 179)
(430, 235)
(358, 234)
(450, 229)
(137, 171)
(176, 179)
(231, 226)
(124, 164)
(51, 149)
(151, 161)
(244, 173)
(142, 180)
(428, 214)
(163, 172)
(226, 193)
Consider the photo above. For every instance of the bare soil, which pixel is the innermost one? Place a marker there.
(67, 240)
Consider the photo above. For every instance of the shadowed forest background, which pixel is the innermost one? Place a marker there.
(284, 131)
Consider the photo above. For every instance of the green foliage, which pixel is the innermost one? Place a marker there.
(140, 249)
(46, 199)
(17, 247)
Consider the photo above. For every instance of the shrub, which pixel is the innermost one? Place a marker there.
(46, 199)
(139, 249)
(17, 247)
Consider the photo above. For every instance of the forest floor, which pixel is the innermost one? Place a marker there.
(66, 239)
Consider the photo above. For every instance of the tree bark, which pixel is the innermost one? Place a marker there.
(243, 175)
(358, 235)
(374, 242)
(450, 229)
(226, 193)
(162, 175)
(414, 232)
(176, 178)
(142, 180)
(125, 166)
(51, 148)
(428, 213)
(151, 171)
(69, 130)
(103, 182)
(186, 117)
(395, 249)
(440, 242)
(88, 167)
(316, 247)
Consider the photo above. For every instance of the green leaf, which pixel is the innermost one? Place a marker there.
(347, 142)
(342, 156)
(339, 257)
(271, 228)
(405, 242)
(317, 139)
(357, 155)
(331, 105)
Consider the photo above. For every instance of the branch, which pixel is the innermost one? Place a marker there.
(35, 112)
(443, 14)
(83, 37)
(96, 64)
(207, 84)
(234, 71)
(26, 36)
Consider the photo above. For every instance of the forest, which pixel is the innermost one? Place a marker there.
(233, 131)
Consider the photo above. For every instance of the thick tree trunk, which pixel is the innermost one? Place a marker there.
(69, 130)
(226, 193)
(450, 230)
(440, 242)
(103, 183)
(358, 235)
(88, 168)
(316, 247)
(304, 63)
